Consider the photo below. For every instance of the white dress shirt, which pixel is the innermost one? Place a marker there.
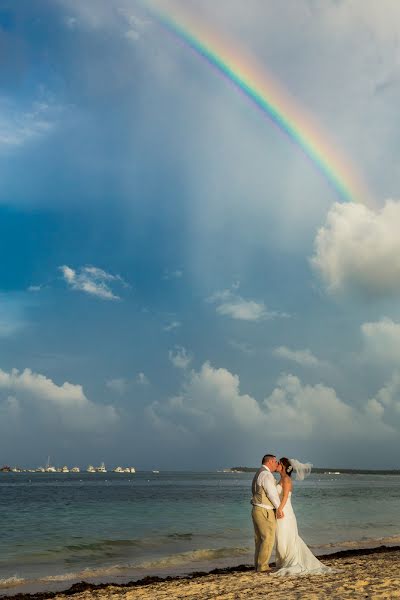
(267, 481)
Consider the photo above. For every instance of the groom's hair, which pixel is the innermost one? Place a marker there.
(266, 458)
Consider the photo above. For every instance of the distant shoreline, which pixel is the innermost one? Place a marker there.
(327, 471)
(318, 470)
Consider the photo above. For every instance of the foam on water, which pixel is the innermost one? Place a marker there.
(11, 581)
(185, 558)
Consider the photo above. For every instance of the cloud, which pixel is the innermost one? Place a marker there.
(40, 403)
(92, 280)
(232, 305)
(359, 249)
(305, 357)
(179, 357)
(210, 402)
(177, 274)
(211, 411)
(142, 379)
(382, 341)
(212, 408)
(119, 385)
(386, 404)
(20, 125)
(172, 325)
(117, 17)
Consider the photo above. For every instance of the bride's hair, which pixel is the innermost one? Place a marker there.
(287, 466)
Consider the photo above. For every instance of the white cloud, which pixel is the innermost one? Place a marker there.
(382, 341)
(230, 304)
(179, 357)
(212, 407)
(20, 125)
(359, 248)
(172, 325)
(304, 357)
(142, 379)
(386, 403)
(92, 280)
(119, 385)
(43, 403)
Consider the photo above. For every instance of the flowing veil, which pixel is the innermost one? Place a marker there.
(301, 470)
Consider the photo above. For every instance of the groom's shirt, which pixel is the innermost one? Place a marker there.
(264, 479)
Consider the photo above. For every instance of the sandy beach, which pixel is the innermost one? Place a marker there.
(360, 574)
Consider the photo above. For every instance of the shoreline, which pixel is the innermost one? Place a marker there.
(151, 580)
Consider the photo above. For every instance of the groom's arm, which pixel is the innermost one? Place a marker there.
(270, 489)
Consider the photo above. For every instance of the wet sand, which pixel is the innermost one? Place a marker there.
(372, 573)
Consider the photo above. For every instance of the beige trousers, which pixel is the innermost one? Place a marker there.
(264, 522)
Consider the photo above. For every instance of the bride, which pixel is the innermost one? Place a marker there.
(293, 557)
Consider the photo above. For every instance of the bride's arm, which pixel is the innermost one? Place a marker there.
(286, 488)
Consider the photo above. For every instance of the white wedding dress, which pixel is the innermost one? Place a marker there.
(293, 557)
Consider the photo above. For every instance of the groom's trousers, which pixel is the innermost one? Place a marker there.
(264, 522)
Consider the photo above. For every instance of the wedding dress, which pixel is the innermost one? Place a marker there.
(293, 557)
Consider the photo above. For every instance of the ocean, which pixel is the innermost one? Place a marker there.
(58, 529)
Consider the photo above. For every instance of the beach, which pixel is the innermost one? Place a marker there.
(369, 573)
(64, 529)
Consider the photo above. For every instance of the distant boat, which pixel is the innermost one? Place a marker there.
(75, 470)
(124, 470)
(48, 468)
(101, 468)
(91, 469)
(64, 469)
(155, 471)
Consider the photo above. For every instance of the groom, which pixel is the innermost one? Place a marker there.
(265, 501)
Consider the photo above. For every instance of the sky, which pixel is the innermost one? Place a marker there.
(180, 286)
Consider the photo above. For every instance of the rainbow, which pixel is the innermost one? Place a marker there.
(266, 94)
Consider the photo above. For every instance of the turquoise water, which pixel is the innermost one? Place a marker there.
(57, 529)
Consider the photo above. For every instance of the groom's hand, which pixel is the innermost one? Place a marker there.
(279, 513)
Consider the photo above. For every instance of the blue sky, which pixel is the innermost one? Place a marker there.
(179, 287)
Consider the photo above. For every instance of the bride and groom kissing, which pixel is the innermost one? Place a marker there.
(274, 518)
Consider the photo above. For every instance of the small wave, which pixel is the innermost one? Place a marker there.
(203, 555)
(11, 581)
(71, 576)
